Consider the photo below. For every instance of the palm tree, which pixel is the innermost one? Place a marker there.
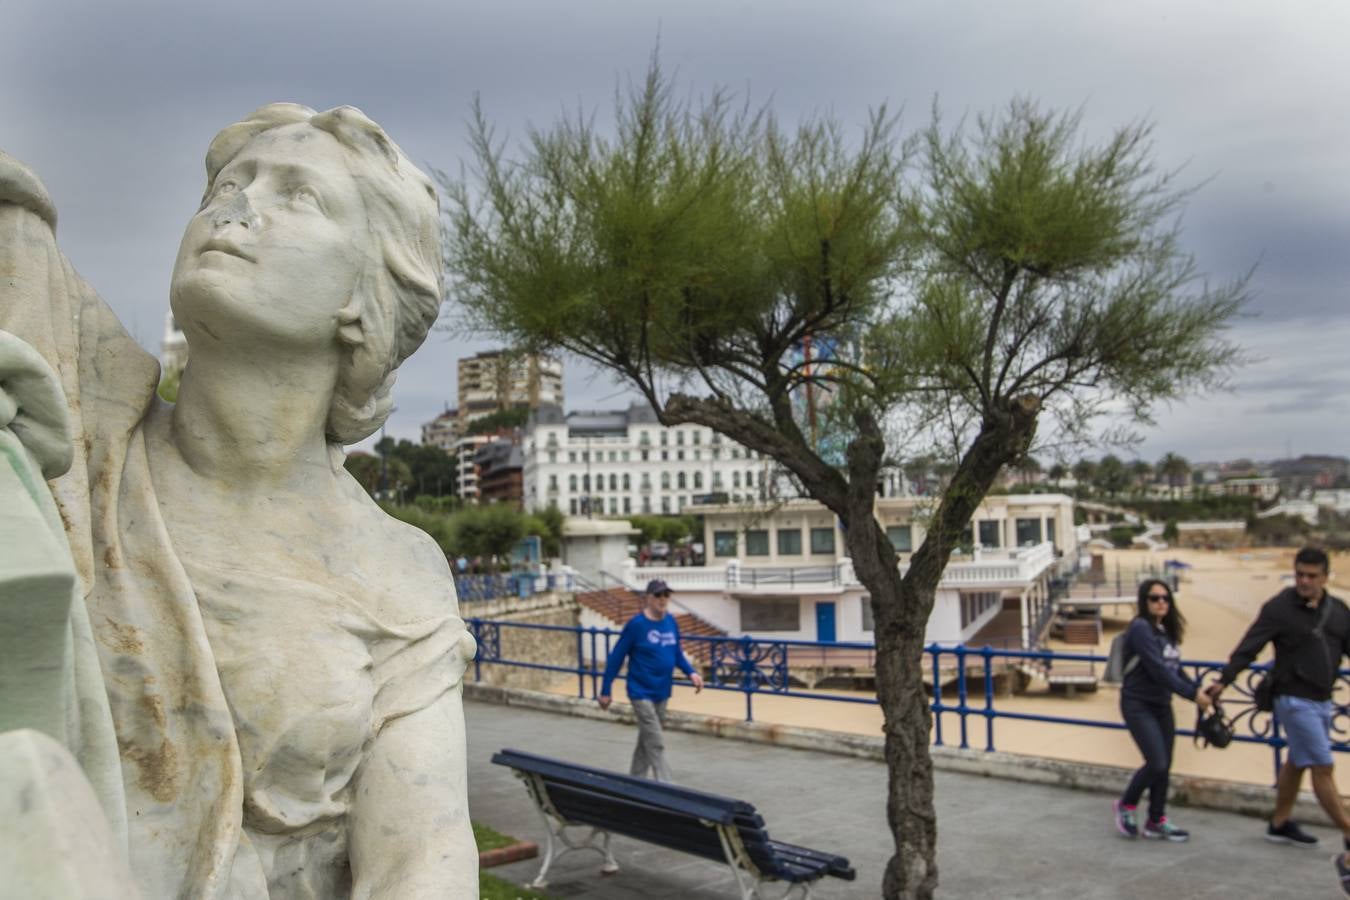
(1175, 469)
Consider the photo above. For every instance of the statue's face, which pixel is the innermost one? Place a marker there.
(275, 251)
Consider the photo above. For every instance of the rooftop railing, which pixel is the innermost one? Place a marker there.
(758, 667)
(1015, 566)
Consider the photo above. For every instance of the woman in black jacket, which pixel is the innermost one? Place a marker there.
(1152, 676)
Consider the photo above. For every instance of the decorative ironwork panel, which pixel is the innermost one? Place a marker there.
(750, 665)
(489, 638)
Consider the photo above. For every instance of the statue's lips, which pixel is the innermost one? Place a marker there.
(226, 247)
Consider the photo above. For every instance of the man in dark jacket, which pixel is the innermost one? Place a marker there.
(1311, 632)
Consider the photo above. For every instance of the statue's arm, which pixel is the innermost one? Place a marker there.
(410, 832)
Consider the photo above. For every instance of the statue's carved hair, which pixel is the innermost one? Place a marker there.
(396, 304)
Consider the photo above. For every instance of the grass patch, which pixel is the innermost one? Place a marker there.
(488, 839)
(490, 887)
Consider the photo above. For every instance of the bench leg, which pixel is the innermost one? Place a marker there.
(609, 867)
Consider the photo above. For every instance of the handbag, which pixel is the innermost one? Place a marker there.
(1264, 692)
(1213, 729)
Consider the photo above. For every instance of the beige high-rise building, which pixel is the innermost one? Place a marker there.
(496, 380)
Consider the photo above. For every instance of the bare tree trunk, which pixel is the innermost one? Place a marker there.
(900, 619)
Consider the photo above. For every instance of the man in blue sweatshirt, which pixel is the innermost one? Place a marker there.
(651, 644)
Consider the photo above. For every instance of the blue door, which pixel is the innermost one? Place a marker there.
(825, 621)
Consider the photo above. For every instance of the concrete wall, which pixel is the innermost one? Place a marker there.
(531, 645)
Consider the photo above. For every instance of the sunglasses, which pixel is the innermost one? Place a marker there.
(662, 595)
(1153, 597)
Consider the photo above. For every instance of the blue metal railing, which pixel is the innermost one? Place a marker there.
(754, 666)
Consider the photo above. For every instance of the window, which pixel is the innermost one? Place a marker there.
(989, 533)
(698, 437)
(572, 483)
(665, 438)
(724, 543)
(586, 483)
(613, 506)
(665, 505)
(614, 481)
(613, 456)
(868, 622)
(665, 481)
(625, 456)
(646, 506)
(822, 540)
(553, 483)
(750, 478)
(790, 542)
(679, 438)
(770, 614)
(735, 479)
(585, 456)
(1028, 532)
(572, 506)
(646, 481)
(644, 455)
(1050, 530)
(735, 453)
(552, 458)
(698, 481)
(717, 481)
(571, 456)
(679, 480)
(679, 455)
(901, 538)
(627, 482)
(684, 501)
(665, 456)
(627, 505)
(698, 454)
(757, 542)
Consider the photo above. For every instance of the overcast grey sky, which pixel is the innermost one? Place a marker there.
(114, 104)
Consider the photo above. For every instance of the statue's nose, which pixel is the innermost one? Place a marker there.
(237, 211)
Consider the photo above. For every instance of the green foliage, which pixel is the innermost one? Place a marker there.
(437, 525)
(491, 887)
(548, 525)
(502, 419)
(168, 385)
(671, 529)
(408, 470)
(490, 531)
(1170, 533)
(1195, 509)
(490, 839)
(1123, 535)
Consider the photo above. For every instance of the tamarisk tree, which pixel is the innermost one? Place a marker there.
(966, 284)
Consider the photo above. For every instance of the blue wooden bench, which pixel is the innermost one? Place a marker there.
(717, 828)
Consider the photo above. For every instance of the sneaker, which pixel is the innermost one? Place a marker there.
(1125, 821)
(1163, 830)
(1290, 833)
(1343, 871)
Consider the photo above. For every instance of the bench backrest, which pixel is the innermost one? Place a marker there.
(663, 814)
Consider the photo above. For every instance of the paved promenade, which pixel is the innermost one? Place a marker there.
(997, 839)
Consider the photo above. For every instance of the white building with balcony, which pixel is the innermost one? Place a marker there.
(624, 462)
(782, 571)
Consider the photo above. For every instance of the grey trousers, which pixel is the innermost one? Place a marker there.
(650, 752)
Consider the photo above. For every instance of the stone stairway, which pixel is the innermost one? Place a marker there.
(618, 605)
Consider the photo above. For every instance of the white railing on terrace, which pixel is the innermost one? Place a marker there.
(999, 567)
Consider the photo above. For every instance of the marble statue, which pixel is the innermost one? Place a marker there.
(260, 671)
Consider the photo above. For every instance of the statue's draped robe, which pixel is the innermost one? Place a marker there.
(237, 778)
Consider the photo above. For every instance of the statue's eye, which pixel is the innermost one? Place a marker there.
(307, 196)
(227, 187)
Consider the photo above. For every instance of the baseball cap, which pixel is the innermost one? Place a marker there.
(657, 586)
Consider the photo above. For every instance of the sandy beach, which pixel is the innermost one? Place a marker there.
(1219, 595)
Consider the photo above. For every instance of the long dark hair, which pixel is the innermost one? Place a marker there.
(1174, 623)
